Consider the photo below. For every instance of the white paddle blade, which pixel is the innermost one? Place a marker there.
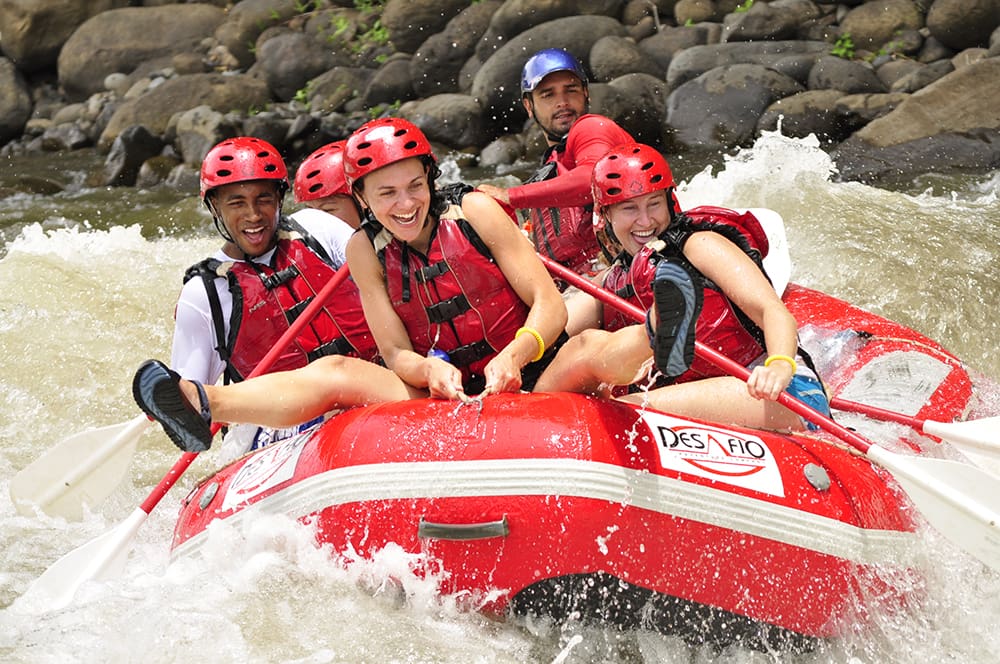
(960, 501)
(82, 469)
(981, 436)
(99, 559)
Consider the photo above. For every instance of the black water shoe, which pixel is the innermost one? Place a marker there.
(157, 390)
(678, 303)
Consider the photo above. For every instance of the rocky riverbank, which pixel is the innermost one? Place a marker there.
(891, 87)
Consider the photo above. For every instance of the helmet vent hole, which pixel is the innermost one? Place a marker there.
(364, 161)
(226, 157)
(224, 173)
(656, 179)
(614, 176)
(614, 191)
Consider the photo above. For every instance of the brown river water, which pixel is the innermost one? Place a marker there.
(89, 280)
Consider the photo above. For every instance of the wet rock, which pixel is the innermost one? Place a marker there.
(813, 112)
(15, 101)
(497, 84)
(874, 24)
(848, 76)
(34, 32)
(121, 39)
(411, 22)
(720, 108)
(961, 24)
(133, 146)
(611, 57)
(450, 118)
(219, 92)
(437, 64)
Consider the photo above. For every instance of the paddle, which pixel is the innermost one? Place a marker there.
(980, 436)
(105, 555)
(84, 468)
(961, 501)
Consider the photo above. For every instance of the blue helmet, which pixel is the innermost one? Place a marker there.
(545, 62)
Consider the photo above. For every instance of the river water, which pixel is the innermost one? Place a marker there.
(89, 281)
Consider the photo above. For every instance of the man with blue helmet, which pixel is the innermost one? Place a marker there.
(558, 197)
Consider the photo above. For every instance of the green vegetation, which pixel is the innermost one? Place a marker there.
(745, 7)
(843, 47)
(302, 96)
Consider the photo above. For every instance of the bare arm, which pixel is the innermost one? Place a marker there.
(743, 283)
(442, 379)
(530, 280)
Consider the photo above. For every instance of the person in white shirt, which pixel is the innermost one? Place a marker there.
(243, 182)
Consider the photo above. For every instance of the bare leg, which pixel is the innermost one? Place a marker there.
(596, 357)
(722, 399)
(287, 398)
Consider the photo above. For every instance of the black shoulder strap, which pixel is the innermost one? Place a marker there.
(208, 271)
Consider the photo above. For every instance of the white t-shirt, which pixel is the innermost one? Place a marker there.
(193, 355)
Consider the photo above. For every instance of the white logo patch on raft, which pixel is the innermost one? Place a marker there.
(738, 459)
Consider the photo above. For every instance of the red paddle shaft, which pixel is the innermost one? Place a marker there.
(718, 359)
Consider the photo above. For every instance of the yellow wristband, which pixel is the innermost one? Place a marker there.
(538, 337)
(783, 358)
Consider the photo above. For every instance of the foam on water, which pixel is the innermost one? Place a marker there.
(83, 305)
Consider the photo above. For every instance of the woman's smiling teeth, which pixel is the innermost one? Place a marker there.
(645, 236)
(405, 220)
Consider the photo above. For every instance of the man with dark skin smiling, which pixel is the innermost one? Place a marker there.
(558, 197)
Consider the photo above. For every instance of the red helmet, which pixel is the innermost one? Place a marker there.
(322, 174)
(628, 171)
(382, 142)
(239, 160)
(625, 172)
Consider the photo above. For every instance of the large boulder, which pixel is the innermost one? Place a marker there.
(517, 16)
(497, 83)
(874, 24)
(34, 31)
(720, 109)
(121, 39)
(695, 61)
(410, 22)
(961, 24)
(438, 62)
(289, 60)
(153, 110)
(451, 119)
(776, 21)
(15, 102)
(245, 22)
(953, 122)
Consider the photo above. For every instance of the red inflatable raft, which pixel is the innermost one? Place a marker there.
(559, 503)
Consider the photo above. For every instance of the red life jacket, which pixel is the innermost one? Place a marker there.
(617, 281)
(455, 298)
(566, 234)
(268, 298)
(721, 325)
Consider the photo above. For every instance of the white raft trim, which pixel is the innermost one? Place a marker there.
(577, 478)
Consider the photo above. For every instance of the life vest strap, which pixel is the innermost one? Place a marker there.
(280, 277)
(448, 309)
(470, 353)
(430, 272)
(339, 346)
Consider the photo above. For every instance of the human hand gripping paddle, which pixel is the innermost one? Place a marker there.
(105, 555)
(960, 500)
